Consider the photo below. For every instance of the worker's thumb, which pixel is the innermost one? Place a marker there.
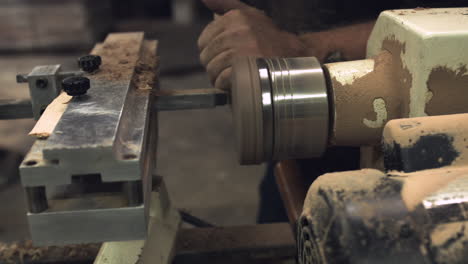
(223, 6)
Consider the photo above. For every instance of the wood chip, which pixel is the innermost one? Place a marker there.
(51, 116)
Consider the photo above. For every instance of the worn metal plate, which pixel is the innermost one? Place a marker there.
(90, 138)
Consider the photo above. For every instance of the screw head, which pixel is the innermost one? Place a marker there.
(89, 63)
(41, 83)
(76, 85)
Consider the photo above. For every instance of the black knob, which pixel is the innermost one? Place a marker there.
(76, 85)
(89, 63)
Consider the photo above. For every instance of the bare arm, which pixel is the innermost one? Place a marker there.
(350, 40)
(242, 30)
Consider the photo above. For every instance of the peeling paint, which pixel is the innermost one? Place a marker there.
(429, 95)
(450, 90)
(430, 41)
(381, 114)
(364, 105)
(346, 75)
(401, 73)
(406, 132)
(417, 43)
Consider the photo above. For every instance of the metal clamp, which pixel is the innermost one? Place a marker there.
(44, 85)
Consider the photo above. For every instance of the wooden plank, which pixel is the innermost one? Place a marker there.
(51, 116)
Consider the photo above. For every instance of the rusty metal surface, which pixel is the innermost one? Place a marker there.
(266, 243)
(292, 187)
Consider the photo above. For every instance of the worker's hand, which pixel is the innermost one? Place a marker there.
(241, 30)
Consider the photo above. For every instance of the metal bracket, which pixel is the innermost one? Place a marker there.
(44, 85)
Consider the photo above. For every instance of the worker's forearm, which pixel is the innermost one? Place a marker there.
(351, 41)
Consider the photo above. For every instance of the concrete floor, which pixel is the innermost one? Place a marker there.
(196, 153)
(197, 157)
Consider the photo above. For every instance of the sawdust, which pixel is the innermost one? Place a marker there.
(407, 132)
(147, 67)
(419, 185)
(448, 242)
(364, 193)
(421, 8)
(443, 233)
(24, 252)
(123, 56)
(119, 55)
(339, 186)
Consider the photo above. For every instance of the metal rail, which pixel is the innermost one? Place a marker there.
(166, 101)
(15, 109)
(169, 100)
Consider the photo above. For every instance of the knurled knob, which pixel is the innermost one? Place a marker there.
(76, 85)
(89, 63)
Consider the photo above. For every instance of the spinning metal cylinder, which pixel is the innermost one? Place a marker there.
(280, 108)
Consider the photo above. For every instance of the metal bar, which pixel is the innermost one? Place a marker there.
(99, 114)
(133, 192)
(292, 188)
(240, 244)
(169, 100)
(22, 78)
(37, 200)
(193, 220)
(15, 109)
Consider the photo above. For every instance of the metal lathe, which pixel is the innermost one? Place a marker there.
(405, 106)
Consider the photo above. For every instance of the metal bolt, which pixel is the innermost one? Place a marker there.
(133, 192)
(89, 63)
(37, 199)
(76, 85)
(41, 83)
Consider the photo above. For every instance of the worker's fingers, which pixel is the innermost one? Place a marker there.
(210, 32)
(221, 7)
(218, 45)
(223, 81)
(221, 62)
